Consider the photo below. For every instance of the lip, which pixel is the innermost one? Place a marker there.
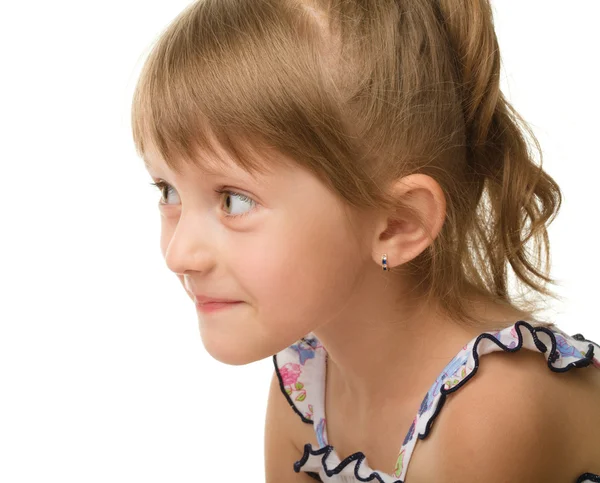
(203, 299)
(210, 307)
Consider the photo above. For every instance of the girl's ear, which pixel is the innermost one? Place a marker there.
(412, 227)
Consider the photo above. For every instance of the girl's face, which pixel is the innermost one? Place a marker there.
(281, 243)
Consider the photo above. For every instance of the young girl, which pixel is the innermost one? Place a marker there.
(344, 187)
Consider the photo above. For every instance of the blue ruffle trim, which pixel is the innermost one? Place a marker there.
(359, 456)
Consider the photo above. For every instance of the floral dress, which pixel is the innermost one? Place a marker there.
(301, 371)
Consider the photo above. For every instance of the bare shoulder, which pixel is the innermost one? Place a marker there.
(514, 419)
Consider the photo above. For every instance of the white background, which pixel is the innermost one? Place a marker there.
(103, 376)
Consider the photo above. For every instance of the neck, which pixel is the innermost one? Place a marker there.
(386, 349)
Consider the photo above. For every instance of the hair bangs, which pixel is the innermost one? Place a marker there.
(214, 86)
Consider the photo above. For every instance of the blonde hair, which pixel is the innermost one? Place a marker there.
(361, 93)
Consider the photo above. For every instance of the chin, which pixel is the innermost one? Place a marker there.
(233, 358)
(236, 342)
(239, 352)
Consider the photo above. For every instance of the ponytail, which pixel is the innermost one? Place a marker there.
(522, 199)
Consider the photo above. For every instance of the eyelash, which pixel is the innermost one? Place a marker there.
(161, 185)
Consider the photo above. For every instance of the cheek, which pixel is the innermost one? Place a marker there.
(302, 276)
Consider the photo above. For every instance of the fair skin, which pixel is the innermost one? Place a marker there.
(302, 261)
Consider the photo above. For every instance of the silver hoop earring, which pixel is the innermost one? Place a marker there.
(384, 263)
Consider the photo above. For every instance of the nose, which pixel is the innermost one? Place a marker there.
(190, 246)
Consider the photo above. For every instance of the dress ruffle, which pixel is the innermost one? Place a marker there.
(562, 353)
(352, 469)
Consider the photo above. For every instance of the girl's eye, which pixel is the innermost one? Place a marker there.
(232, 195)
(164, 189)
(229, 204)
